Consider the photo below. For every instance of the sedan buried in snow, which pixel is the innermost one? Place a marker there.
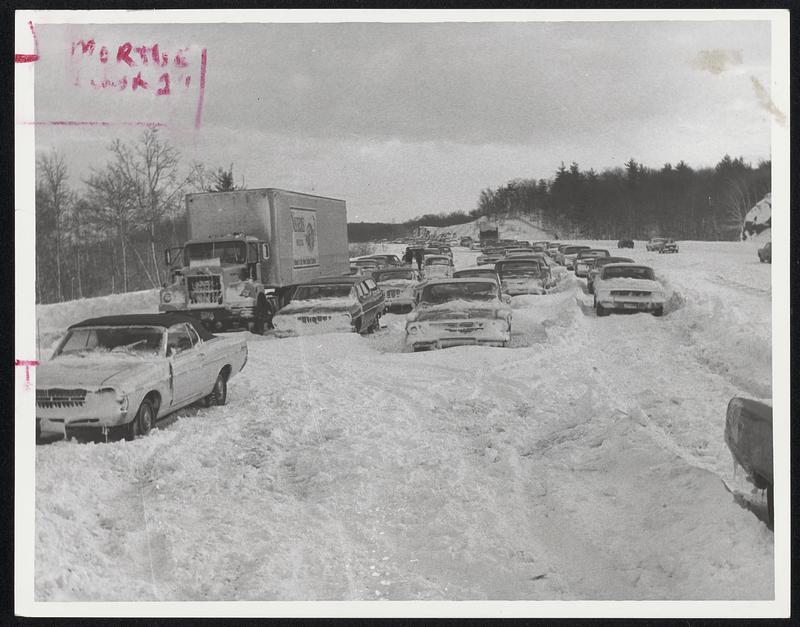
(436, 266)
(585, 260)
(523, 276)
(597, 265)
(119, 374)
(331, 304)
(398, 286)
(628, 286)
(455, 312)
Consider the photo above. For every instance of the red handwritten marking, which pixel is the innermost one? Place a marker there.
(27, 363)
(29, 58)
(199, 114)
(124, 53)
(88, 123)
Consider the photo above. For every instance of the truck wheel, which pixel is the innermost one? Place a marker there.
(261, 318)
(601, 311)
(658, 311)
(142, 423)
(219, 393)
(356, 324)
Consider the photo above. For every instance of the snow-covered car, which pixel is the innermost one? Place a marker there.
(523, 276)
(585, 260)
(366, 266)
(748, 434)
(398, 286)
(478, 272)
(552, 248)
(514, 252)
(628, 286)
(490, 255)
(455, 312)
(597, 265)
(435, 266)
(669, 246)
(765, 253)
(331, 305)
(117, 375)
(655, 244)
(385, 260)
(569, 254)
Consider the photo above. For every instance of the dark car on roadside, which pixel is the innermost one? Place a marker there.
(625, 243)
(765, 253)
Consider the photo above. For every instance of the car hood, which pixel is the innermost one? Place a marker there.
(86, 373)
(395, 283)
(459, 310)
(645, 285)
(321, 306)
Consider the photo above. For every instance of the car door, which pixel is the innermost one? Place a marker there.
(186, 364)
(209, 357)
(371, 302)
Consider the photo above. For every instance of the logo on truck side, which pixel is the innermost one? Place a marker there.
(304, 238)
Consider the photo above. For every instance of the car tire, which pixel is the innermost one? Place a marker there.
(142, 423)
(219, 393)
(600, 310)
(356, 324)
(658, 311)
(261, 317)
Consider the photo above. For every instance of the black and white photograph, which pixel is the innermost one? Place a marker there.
(402, 313)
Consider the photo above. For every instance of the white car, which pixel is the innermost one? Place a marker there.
(398, 286)
(435, 266)
(117, 375)
(455, 312)
(628, 286)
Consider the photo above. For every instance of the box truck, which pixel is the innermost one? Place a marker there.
(246, 251)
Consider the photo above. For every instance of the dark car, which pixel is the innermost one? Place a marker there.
(765, 253)
(748, 434)
(625, 243)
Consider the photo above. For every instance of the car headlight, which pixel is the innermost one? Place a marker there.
(119, 397)
(246, 291)
(412, 329)
(166, 297)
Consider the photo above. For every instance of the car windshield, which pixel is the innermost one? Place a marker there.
(142, 341)
(495, 251)
(226, 252)
(590, 254)
(437, 262)
(520, 269)
(602, 261)
(318, 292)
(407, 275)
(628, 272)
(657, 239)
(444, 292)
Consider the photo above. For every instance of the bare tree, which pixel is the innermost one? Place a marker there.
(150, 172)
(113, 209)
(56, 197)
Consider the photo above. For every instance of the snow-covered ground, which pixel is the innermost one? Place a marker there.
(587, 461)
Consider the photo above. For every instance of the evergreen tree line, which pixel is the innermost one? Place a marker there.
(635, 202)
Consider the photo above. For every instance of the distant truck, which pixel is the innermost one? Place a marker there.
(488, 232)
(246, 252)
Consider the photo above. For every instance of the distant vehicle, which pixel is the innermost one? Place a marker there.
(628, 286)
(552, 247)
(523, 243)
(398, 286)
(511, 252)
(523, 276)
(585, 259)
(386, 260)
(558, 255)
(625, 243)
(655, 244)
(570, 253)
(765, 253)
(435, 266)
(597, 265)
(366, 266)
(454, 312)
(465, 241)
(748, 434)
(117, 375)
(332, 304)
(669, 246)
(490, 255)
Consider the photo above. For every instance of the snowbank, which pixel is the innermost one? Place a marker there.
(758, 221)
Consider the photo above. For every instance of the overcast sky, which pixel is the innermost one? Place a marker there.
(406, 119)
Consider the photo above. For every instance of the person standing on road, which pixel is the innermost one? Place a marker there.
(418, 259)
(409, 256)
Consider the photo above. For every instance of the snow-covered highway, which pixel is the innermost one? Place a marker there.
(587, 461)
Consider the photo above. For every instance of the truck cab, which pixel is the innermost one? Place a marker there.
(220, 280)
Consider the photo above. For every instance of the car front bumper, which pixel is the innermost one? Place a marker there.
(495, 332)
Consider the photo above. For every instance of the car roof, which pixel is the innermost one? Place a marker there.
(460, 281)
(145, 320)
(626, 265)
(331, 280)
(437, 257)
(486, 269)
(610, 260)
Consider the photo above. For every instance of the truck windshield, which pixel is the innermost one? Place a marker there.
(226, 252)
(314, 292)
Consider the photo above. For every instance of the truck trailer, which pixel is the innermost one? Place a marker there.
(246, 251)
